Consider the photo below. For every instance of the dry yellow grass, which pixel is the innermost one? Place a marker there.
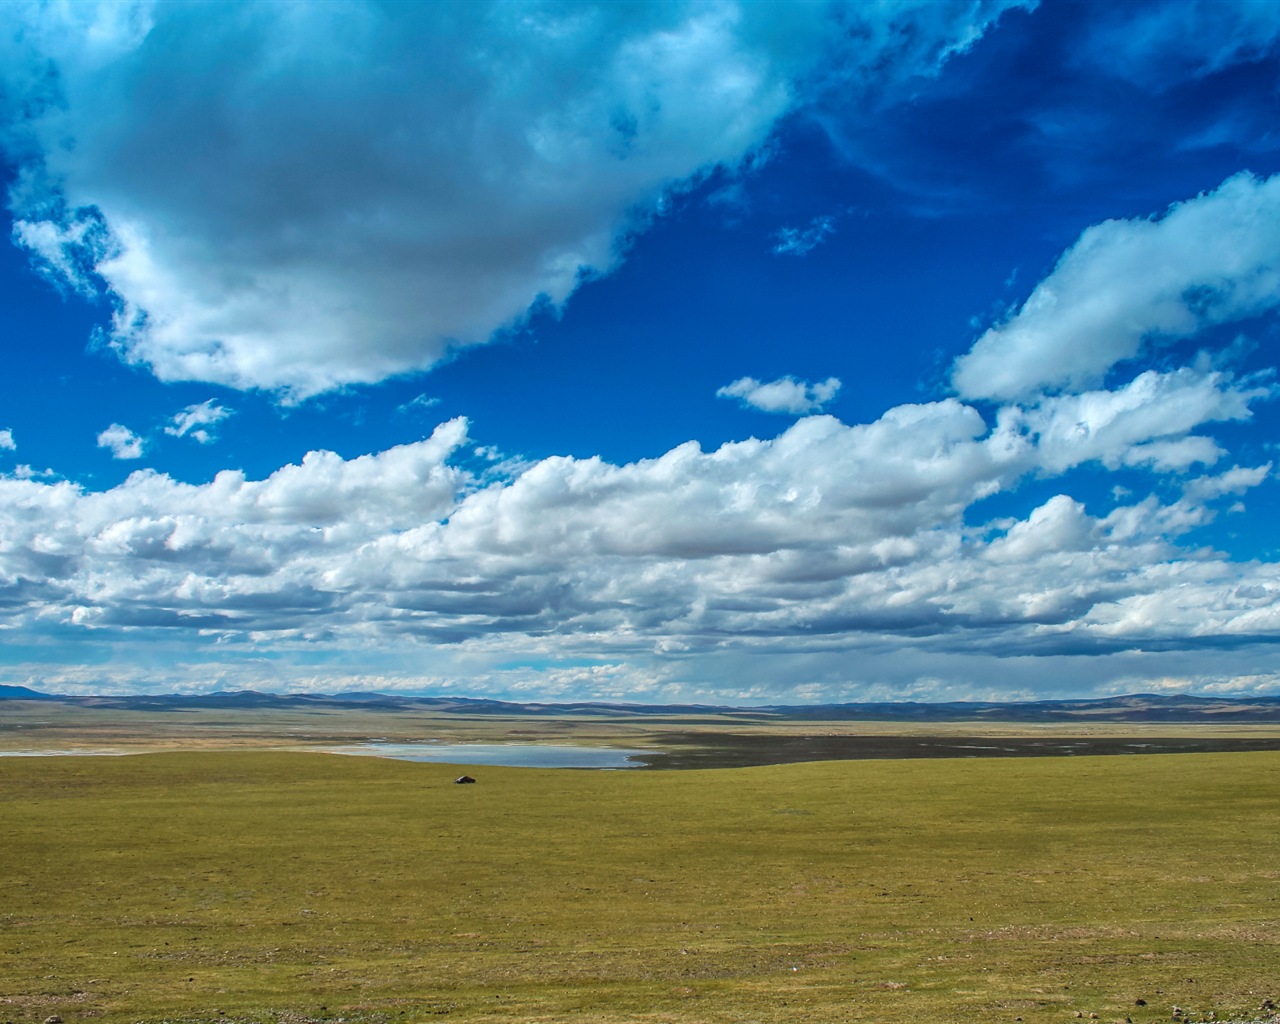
(261, 886)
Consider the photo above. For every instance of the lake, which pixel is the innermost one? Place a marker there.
(509, 755)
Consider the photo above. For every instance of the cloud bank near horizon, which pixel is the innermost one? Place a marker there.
(830, 539)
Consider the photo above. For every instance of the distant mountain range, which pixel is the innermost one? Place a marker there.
(1140, 707)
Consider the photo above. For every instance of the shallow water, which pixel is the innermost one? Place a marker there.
(62, 753)
(509, 755)
(736, 750)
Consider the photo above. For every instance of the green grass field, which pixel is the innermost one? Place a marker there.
(289, 887)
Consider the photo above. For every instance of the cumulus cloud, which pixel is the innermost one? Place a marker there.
(1146, 422)
(298, 198)
(826, 539)
(1210, 260)
(123, 442)
(785, 395)
(194, 420)
(7, 443)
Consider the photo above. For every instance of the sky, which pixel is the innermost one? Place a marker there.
(717, 352)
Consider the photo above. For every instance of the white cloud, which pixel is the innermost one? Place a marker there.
(122, 441)
(800, 241)
(1236, 480)
(419, 403)
(66, 251)
(1145, 422)
(371, 186)
(22, 471)
(785, 395)
(194, 419)
(1210, 260)
(328, 225)
(827, 540)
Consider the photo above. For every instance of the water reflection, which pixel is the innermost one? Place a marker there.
(509, 755)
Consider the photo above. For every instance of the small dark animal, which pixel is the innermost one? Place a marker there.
(462, 779)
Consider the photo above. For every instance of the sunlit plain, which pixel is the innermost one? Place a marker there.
(195, 886)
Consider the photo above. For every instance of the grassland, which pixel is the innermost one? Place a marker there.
(259, 885)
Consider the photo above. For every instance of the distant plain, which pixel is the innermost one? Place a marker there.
(714, 738)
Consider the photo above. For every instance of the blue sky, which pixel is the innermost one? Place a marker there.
(704, 351)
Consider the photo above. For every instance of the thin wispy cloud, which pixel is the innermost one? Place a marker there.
(801, 241)
(418, 404)
(195, 420)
